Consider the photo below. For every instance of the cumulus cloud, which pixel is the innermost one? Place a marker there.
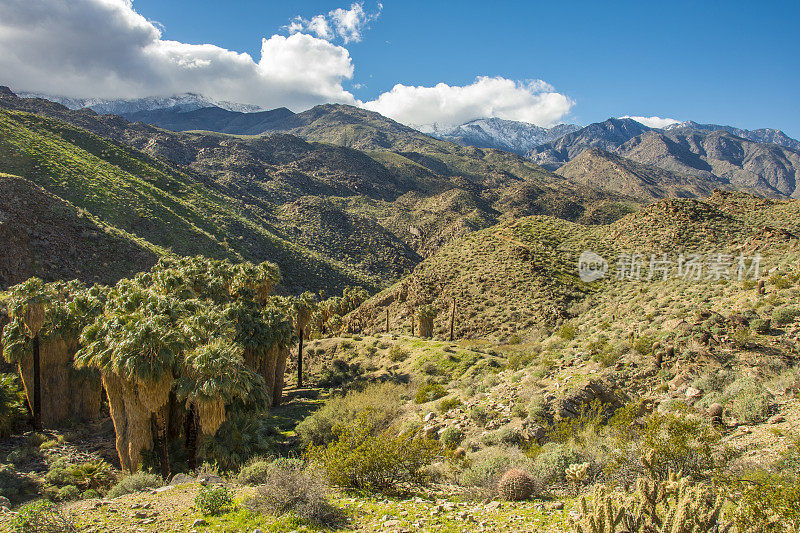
(653, 122)
(446, 105)
(103, 48)
(346, 24)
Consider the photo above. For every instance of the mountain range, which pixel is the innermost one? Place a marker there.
(509, 135)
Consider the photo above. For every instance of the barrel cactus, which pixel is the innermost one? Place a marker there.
(515, 485)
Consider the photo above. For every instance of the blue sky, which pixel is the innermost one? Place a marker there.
(721, 62)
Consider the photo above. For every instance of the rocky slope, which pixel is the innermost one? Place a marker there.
(509, 135)
(711, 154)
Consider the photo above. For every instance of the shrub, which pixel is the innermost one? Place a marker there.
(254, 473)
(509, 436)
(482, 414)
(749, 401)
(214, 500)
(760, 325)
(451, 437)
(568, 331)
(290, 489)
(41, 517)
(135, 483)
(552, 460)
(338, 373)
(68, 493)
(767, 503)
(382, 402)
(484, 474)
(258, 471)
(244, 435)
(397, 353)
(785, 315)
(681, 443)
(88, 475)
(429, 392)
(12, 408)
(384, 462)
(448, 404)
(14, 485)
(644, 345)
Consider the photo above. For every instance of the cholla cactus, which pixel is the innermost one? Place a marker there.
(673, 506)
(515, 485)
(576, 473)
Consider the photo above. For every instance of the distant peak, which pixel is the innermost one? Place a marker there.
(6, 92)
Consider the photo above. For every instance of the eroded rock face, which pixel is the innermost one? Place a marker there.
(605, 389)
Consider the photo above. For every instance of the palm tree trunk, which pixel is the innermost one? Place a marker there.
(300, 361)
(160, 434)
(37, 386)
(191, 438)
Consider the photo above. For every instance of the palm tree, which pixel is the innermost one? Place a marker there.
(302, 309)
(214, 376)
(136, 345)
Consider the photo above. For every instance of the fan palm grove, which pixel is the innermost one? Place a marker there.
(178, 349)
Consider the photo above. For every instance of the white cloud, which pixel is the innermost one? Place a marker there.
(653, 122)
(446, 105)
(346, 24)
(104, 49)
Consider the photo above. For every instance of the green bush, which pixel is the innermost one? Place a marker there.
(41, 517)
(482, 414)
(291, 489)
(759, 325)
(644, 344)
(384, 462)
(785, 315)
(397, 353)
(135, 483)
(244, 435)
(682, 443)
(89, 475)
(382, 403)
(568, 331)
(767, 503)
(258, 471)
(451, 437)
(14, 485)
(448, 404)
(749, 400)
(214, 500)
(551, 462)
(68, 493)
(254, 473)
(480, 478)
(12, 407)
(429, 392)
(338, 373)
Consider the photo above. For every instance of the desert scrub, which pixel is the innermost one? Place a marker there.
(749, 400)
(568, 331)
(397, 353)
(257, 471)
(785, 315)
(381, 404)
(451, 437)
(16, 486)
(682, 444)
(449, 403)
(214, 500)
(41, 517)
(384, 462)
(429, 392)
(135, 483)
(289, 488)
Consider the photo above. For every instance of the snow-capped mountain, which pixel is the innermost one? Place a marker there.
(508, 135)
(181, 102)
